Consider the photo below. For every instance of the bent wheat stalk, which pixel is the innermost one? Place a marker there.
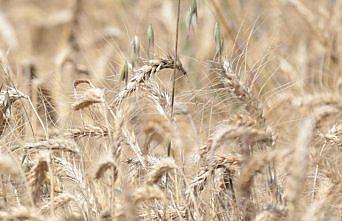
(145, 73)
(89, 97)
(7, 98)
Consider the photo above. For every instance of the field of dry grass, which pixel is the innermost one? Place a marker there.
(171, 110)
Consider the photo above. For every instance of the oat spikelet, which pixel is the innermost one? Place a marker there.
(104, 166)
(164, 166)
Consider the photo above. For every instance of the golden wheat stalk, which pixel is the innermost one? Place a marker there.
(89, 97)
(147, 192)
(230, 132)
(58, 202)
(7, 98)
(164, 166)
(231, 81)
(144, 74)
(51, 144)
(104, 166)
(86, 131)
(37, 176)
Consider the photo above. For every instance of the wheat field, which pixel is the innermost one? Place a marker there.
(171, 110)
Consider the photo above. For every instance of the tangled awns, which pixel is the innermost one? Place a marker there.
(194, 110)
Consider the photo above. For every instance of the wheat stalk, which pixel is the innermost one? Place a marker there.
(144, 74)
(51, 144)
(58, 202)
(147, 192)
(104, 166)
(89, 97)
(164, 166)
(37, 176)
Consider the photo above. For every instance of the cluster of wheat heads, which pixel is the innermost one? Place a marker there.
(233, 141)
